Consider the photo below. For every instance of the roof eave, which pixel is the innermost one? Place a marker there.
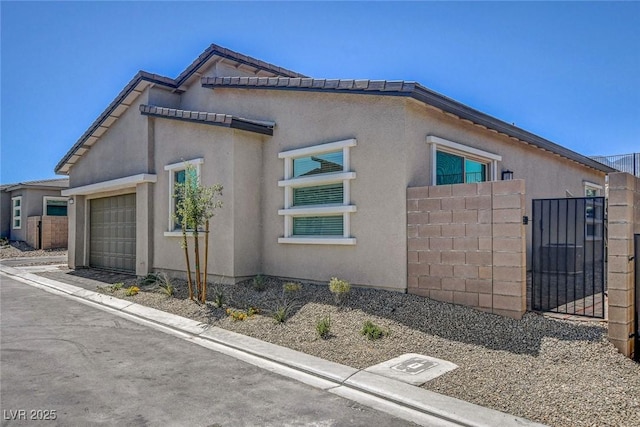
(63, 165)
(429, 97)
(464, 112)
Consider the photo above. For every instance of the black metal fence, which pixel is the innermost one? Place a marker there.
(569, 274)
(636, 253)
(629, 163)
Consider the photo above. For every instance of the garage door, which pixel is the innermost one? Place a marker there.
(113, 233)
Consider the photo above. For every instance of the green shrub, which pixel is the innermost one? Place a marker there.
(340, 289)
(323, 327)
(161, 280)
(282, 312)
(131, 291)
(236, 314)
(218, 296)
(167, 289)
(259, 283)
(291, 287)
(372, 331)
(111, 289)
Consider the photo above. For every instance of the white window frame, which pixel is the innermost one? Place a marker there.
(440, 144)
(15, 217)
(172, 169)
(592, 186)
(45, 199)
(289, 183)
(598, 231)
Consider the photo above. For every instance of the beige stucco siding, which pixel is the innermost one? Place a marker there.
(122, 151)
(546, 175)
(32, 204)
(175, 142)
(308, 119)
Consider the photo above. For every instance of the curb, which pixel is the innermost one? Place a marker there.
(342, 380)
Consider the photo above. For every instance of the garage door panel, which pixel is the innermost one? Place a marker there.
(113, 233)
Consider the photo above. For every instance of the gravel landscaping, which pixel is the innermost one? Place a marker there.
(552, 371)
(20, 249)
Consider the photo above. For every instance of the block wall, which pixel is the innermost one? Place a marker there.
(467, 245)
(623, 222)
(32, 232)
(55, 231)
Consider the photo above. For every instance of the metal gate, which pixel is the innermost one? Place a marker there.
(568, 258)
(636, 255)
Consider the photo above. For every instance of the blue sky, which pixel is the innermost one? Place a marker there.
(569, 72)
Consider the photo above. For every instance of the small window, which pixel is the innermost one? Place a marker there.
(454, 163)
(16, 209)
(591, 189)
(317, 203)
(177, 176)
(455, 169)
(54, 206)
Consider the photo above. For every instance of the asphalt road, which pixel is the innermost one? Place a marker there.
(87, 367)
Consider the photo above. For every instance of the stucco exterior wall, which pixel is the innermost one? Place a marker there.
(391, 154)
(32, 199)
(378, 191)
(176, 142)
(122, 151)
(545, 174)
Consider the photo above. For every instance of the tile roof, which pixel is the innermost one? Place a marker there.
(47, 183)
(403, 88)
(143, 79)
(311, 84)
(227, 120)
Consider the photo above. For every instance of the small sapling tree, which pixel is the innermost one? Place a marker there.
(195, 206)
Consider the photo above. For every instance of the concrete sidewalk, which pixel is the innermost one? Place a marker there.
(380, 392)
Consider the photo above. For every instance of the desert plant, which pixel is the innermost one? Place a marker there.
(340, 289)
(291, 287)
(195, 206)
(323, 327)
(149, 279)
(218, 296)
(372, 331)
(116, 286)
(167, 288)
(236, 314)
(241, 314)
(131, 291)
(280, 314)
(259, 283)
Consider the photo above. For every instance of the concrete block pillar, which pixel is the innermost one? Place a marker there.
(624, 204)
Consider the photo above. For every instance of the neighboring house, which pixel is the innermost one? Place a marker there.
(25, 205)
(315, 172)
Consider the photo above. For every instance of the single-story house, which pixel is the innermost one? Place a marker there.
(316, 172)
(25, 204)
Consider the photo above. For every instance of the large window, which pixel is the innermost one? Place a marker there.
(317, 204)
(54, 206)
(177, 176)
(454, 163)
(16, 212)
